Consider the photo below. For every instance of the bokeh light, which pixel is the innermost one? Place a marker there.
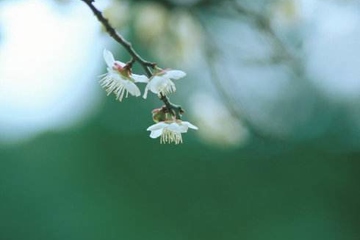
(46, 68)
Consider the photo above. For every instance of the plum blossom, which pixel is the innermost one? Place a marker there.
(160, 82)
(170, 131)
(119, 79)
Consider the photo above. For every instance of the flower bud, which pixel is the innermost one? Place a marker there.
(162, 114)
(158, 114)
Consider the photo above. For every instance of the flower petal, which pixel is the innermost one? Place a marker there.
(190, 125)
(156, 133)
(175, 127)
(131, 88)
(174, 74)
(121, 64)
(139, 78)
(156, 126)
(183, 128)
(146, 92)
(109, 58)
(159, 84)
(156, 83)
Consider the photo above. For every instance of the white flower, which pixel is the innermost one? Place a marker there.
(170, 131)
(119, 79)
(161, 82)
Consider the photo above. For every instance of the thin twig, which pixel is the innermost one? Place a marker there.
(120, 39)
(146, 65)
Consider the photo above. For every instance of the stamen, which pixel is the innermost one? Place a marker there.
(170, 136)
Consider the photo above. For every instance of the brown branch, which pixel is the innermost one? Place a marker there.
(146, 65)
(120, 39)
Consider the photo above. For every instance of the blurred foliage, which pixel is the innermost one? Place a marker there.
(99, 182)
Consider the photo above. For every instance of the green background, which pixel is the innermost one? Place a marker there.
(95, 182)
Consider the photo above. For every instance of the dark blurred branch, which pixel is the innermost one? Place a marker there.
(212, 51)
(146, 65)
(262, 22)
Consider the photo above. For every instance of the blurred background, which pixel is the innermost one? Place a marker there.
(274, 87)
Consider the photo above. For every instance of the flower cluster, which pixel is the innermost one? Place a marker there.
(121, 81)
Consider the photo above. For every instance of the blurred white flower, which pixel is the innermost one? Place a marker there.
(119, 78)
(150, 22)
(170, 131)
(161, 82)
(218, 127)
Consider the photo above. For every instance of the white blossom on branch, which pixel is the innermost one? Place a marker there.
(160, 82)
(170, 131)
(119, 79)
